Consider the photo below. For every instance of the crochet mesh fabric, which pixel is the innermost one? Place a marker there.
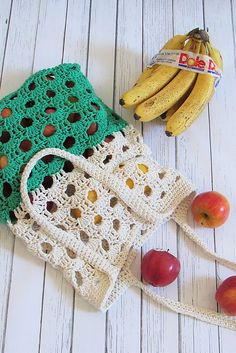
(91, 221)
(96, 218)
(55, 107)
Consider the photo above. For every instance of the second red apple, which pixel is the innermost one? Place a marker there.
(210, 209)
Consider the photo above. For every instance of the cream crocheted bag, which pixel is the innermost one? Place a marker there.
(91, 221)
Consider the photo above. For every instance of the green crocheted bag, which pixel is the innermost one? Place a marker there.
(55, 107)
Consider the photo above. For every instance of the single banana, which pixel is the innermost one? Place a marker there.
(166, 116)
(193, 105)
(177, 42)
(215, 55)
(150, 85)
(170, 94)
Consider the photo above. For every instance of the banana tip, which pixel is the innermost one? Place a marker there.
(168, 133)
(137, 117)
(121, 101)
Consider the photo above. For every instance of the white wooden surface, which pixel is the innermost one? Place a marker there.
(113, 40)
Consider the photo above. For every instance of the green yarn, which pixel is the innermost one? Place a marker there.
(60, 97)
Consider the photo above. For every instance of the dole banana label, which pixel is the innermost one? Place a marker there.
(186, 60)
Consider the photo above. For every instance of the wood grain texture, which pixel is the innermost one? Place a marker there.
(223, 142)
(193, 159)
(112, 40)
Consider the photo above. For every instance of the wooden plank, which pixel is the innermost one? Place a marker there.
(197, 278)
(4, 27)
(76, 35)
(159, 324)
(123, 319)
(6, 239)
(222, 107)
(23, 318)
(57, 303)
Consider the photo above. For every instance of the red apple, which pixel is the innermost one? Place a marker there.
(3, 162)
(210, 209)
(226, 295)
(49, 130)
(159, 268)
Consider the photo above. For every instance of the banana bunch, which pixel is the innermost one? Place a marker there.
(176, 96)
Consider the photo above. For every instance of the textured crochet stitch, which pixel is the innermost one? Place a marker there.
(55, 107)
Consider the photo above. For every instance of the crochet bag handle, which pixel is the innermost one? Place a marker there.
(144, 212)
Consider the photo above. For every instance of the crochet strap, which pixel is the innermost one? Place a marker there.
(178, 217)
(186, 309)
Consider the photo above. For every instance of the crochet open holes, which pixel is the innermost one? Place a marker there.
(7, 189)
(35, 226)
(109, 138)
(88, 153)
(116, 224)
(113, 201)
(13, 97)
(71, 253)
(143, 167)
(147, 190)
(177, 178)
(49, 130)
(130, 183)
(74, 117)
(162, 194)
(97, 219)
(68, 167)
(125, 148)
(105, 245)
(50, 110)
(95, 106)
(92, 129)
(47, 159)
(25, 145)
(161, 175)
(107, 159)
(73, 99)
(88, 90)
(46, 247)
(60, 226)
(51, 206)
(26, 122)
(70, 190)
(92, 196)
(6, 112)
(70, 84)
(5, 137)
(115, 116)
(87, 176)
(75, 213)
(79, 278)
(12, 217)
(30, 104)
(32, 86)
(50, 77)
(47, 182)
(84, 236)
(69, 142)
(50, 93)
(3, 161)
